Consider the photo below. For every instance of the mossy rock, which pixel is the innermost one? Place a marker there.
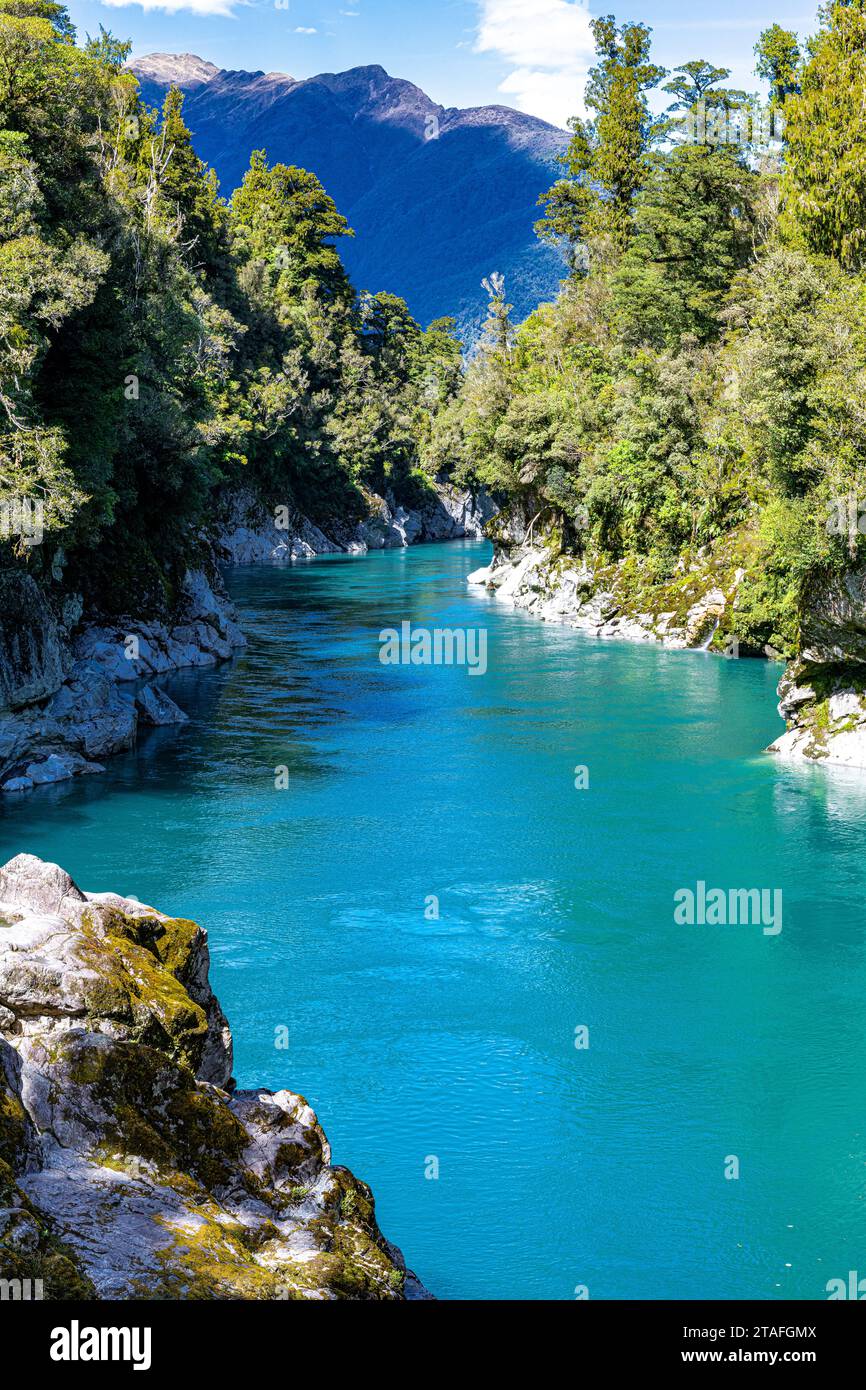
(29, 1250)
(164, 1204)
(136, 967)
(156, 1110)
(13, 1126)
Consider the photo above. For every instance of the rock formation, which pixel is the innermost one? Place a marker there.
(130, 1166)
(616, 600)
(71, 692)
(250, 535)
(823, 694)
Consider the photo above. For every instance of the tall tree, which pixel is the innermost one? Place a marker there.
(824, 188)
(778, 62)
(607, 157)
(283, 216)
(696, 87)
(498, 329)
(183, 188)
(697, 81)
(694, 225)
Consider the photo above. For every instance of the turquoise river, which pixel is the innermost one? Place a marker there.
(451, 1043)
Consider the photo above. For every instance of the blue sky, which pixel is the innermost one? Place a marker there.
(532, 54)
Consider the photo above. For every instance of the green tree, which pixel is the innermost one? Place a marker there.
(697, 81)
(498, 330)
(607, 157)
(824, 186)
(778, 62)
(696, 87)
(694, 230)
(182, 190)
(283, 217)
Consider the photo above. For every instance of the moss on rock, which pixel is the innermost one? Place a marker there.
(173, 1187)
(129, 980)
(29, 1250)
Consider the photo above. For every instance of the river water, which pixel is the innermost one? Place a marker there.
(431, 913)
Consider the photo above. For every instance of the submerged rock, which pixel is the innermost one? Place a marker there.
(158, 709)
(60, 768)
(130, 1167)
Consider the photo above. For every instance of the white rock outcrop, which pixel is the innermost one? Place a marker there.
(561, 589)
(130, 1166)
(249, 534)
(100, 701)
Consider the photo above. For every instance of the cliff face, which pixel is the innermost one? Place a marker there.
(71, 690)
(249, 535)
(130, 1167)
(823, 694)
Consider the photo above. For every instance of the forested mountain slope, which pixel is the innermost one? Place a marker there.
(438, 198)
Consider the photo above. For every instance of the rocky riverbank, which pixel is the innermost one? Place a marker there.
(822, 694)
(130, 1166)
(73, 692)
(76, 689)
(619, 600)
(251, 534)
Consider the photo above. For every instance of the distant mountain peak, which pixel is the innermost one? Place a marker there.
(182, 69)
(437, 198)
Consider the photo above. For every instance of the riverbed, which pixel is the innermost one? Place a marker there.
(441, 905)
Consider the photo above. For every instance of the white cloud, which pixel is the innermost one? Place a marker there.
(202, 7)
(301, 30)
(551, 46)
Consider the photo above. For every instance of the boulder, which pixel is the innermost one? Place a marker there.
(825, 712)
(130, 1167)
(158, 709)
(40, 887)
(59, 767)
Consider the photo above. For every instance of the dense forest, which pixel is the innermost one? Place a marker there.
(698, 383)
(159, 345)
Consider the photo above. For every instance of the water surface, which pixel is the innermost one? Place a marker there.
(454, 1039)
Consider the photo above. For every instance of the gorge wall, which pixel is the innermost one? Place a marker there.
(77, 687)
(822, 692)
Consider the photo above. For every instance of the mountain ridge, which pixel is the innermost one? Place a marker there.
(438, 196)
